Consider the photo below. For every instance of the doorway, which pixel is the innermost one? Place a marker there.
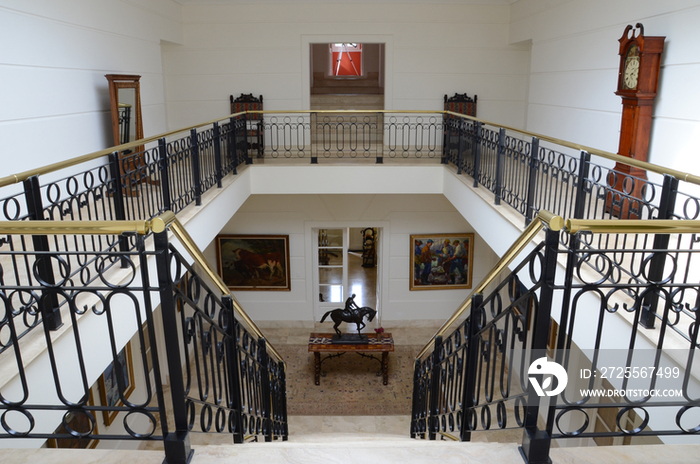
(347, 76)
(346, 262)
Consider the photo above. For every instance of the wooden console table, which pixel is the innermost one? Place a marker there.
(376, 343)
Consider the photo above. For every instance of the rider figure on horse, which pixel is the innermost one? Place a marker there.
(351, 313)
(350, 305)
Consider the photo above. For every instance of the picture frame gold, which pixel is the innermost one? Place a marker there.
(441, 261)
(108, 387)
(254, 262)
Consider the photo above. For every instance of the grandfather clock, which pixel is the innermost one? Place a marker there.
(637, 83)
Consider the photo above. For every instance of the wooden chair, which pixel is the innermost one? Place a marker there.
(254, 121)
(459, 103)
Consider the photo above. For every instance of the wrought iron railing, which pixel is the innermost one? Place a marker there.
(223, 377)
(529, 172)
(482, 370)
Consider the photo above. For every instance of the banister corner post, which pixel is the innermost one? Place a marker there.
(248, 159)
(314, 137)
(48, 303)
(667, 205)
(433, 407)
(164, 174)
(284, 415)
(500, 161)
(266, 390)
(415, 412)
(236, 417)
(582, 189)
(532, 180)
(470, 366)
(117, 191)
(218, 167)
(477, 154)
(232, 152)
(196, 175)
(536, 443)
(177, 443)
(380, 145)
(462, 131)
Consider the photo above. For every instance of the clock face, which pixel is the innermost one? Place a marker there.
(631, 73)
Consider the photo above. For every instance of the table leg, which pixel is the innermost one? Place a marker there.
(385, 367)
(317, 368)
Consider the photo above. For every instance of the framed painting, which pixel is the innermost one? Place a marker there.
(78, 422)
(254, 262)
(109, 387)
(441, 261)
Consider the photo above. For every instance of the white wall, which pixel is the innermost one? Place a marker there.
(575, 64)
(432, 49)
(399, 216)
(54, 55)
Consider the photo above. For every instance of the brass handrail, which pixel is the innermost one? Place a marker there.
(449, 436)
(552, 221)
(633, 226)
(156, 225)
(19, 177)
(22, 176)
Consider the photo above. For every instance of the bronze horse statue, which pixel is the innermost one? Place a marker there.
(351, 316)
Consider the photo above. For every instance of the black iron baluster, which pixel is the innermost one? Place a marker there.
(667, 205)
(196, 176)
(533, 166)
(218, 175)
(500, 160)
(176, 443)
(164, 175)
(536, 442)
(433, 409)
(471, 362)
(50, 310)
(477, 154)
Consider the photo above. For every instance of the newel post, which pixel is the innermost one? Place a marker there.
(176, 443)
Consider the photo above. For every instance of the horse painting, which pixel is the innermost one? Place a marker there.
(351, 316)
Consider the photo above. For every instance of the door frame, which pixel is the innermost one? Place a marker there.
(311, 232)
(387, 61)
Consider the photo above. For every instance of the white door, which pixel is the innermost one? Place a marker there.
(331, 270)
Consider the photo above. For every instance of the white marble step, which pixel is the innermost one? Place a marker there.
(363, 451)
(350, 450)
